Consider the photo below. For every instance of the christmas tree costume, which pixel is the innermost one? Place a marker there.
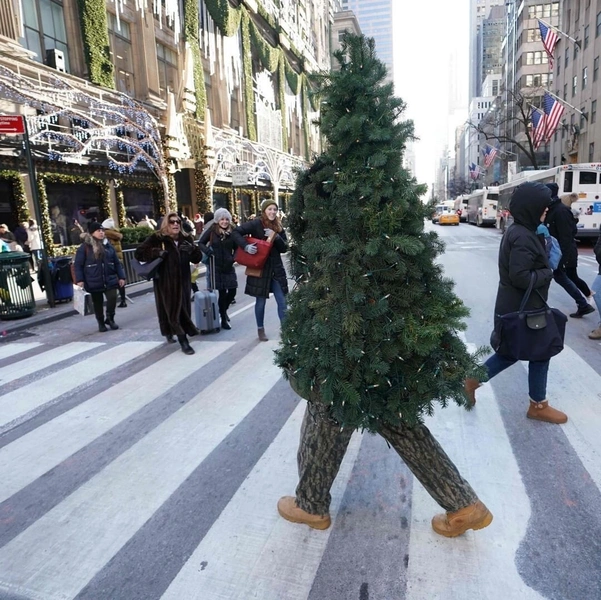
(370, 338)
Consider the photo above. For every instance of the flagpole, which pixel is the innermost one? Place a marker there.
(566, 103)
(561, 33)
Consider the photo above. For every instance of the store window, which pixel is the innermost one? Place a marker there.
(122, 54)
(139, 203)
(44, 28)
(8, 207)
(71, 208)
(167, 63)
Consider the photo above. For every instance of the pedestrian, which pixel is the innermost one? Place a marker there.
(114, 237)
(20, 234)
(562, 226)
(99, 271)
(6, 235)
(273, 278)
(218, 243)
(522, 255)
(35, 244)
(172, 287)
(596, 290)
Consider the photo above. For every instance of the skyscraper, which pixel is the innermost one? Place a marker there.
(375, 19)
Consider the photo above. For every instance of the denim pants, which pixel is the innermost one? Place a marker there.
(561, 277)
(280, 298)
(596, 288)
(537, 374)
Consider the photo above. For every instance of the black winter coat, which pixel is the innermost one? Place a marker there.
(172, 289)
(562, 225)
(223, 248)
(597, 250)
(522, 253)
(259, 287)
(98, 274)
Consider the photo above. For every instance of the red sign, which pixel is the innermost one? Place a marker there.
(12, 124)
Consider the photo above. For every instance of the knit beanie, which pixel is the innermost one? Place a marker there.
(108, 224)
(268, 202)
(222, 213)
(94, 226)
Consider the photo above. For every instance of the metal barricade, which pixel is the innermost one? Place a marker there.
(131, 277)
(16, 293)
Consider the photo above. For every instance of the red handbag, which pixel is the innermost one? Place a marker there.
(254, 261)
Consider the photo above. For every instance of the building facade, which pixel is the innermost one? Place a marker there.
(578, 138)
(375, 20)
(134, 108)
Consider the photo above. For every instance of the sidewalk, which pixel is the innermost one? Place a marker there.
(44, 314)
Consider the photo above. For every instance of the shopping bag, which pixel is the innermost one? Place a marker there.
(82, 301)
(258, 260)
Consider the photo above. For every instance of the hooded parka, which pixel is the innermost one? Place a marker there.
(172, 288)
(259, 287)
(522, 252)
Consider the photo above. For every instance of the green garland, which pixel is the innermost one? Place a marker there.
(203, 202)
(226, 17)
(282, 99)
(306, 124)
(172, 192)
(22, 208)
(121, 214)
(94, 29)
(191, 26)
(249, 96)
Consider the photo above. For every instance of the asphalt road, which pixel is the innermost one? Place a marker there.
(129, 471)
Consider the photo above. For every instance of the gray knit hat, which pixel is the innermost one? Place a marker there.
(222, 213)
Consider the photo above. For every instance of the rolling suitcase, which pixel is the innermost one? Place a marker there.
(206, 311)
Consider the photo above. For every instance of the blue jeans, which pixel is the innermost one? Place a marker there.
(596, 288)
(280, 298)
(561, 277)
(537, 374)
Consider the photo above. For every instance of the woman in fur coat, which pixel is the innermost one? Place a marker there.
(172, 287)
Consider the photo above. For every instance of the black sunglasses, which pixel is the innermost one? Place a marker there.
(175, 222)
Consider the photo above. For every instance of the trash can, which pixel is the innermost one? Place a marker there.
(62, 281)
(16, 294)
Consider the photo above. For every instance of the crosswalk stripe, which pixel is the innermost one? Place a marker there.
(72, 542)
(11, 349)
(44, 360)
(35, 453)
(575, 388)
(250, 549)
(490, 467)
(42, 391)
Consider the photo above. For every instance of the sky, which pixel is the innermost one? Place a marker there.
(429, 35)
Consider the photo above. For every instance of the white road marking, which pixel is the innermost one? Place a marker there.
(61, 552)
(44, 360)
(478, 564)
(251, 551)
(35, 453)
(42, 391)
(8, 350)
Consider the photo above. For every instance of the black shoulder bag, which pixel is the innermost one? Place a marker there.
(530, 334)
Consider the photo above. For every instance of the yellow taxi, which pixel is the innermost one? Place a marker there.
(448, 219)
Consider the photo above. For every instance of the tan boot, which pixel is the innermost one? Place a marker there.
(541, 411)
(452, 524)
(470, 386)
(262, 336)
(595, 334)
(288, 509)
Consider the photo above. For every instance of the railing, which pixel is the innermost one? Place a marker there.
(131, 277)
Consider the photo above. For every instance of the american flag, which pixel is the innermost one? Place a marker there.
(549, 39)
(489, 155)
(539, 120)
(553, 112)
(474, 171)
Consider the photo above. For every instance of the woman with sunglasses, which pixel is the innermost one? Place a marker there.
(172, 285)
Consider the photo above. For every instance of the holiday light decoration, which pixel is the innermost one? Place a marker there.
(76, 124)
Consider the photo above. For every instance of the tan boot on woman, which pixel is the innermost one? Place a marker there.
(470, 386)
(541, 411)
(262, 336)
